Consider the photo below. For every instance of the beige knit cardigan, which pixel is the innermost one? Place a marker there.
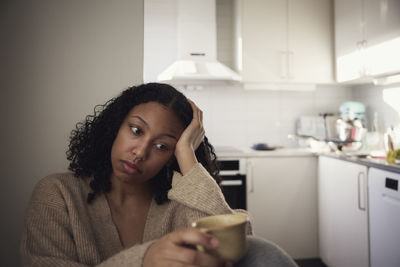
(61, 229)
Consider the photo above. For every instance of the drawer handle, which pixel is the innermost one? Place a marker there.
(250, 177)
(231, 183)
(361, 191)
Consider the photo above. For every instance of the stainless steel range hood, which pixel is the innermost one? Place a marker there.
(197, 57)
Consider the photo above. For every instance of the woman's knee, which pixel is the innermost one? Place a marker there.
(264, 253)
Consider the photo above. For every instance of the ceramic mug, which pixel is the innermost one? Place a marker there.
(230, 230)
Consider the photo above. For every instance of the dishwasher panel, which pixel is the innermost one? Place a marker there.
(384, 218)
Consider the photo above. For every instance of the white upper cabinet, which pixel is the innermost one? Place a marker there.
(382, 20)
(382, 33)
(285, 42)
(367, 39)
(348, 39)
(310, 40)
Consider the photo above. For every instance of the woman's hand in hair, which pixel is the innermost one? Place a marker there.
(190, 140)
(178, 249)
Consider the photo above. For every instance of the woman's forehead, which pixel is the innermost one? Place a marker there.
(155, 114)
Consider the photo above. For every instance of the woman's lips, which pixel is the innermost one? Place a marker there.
(130, 167)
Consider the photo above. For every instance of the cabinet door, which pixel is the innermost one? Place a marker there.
(382, 20)
(264, 40)
(286, 42)
(348, 39)
(310, 41)
(342, 206)
(367, 37)
(382, 35)
(282, 199)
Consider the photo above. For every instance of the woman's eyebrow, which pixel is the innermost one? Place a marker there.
(169, 135)
(142, 120)
(147, 125)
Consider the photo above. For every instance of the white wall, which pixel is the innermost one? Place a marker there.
(58, 60)
(233, 116)
(371, 96)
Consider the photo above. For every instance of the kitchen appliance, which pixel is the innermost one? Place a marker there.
(350, 125)
(352, 110)
(346, 132)
(384, 218)
(233, 185)
(320, 127)
(350, 130)
(197, 62)
(330, 126)
(312, 126)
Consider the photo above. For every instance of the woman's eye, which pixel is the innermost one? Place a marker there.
(136, 130)
(161, 147)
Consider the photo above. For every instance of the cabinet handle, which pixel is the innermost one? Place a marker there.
(364, 44)
(290, 64)
(249, 174)
(359, 46)
(284, 62)
(364, 47)
(360, 56)
(361, 191)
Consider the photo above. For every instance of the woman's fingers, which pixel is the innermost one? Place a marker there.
(194, 133)
(197, 112)
(192, 257)
(190, 140)
(192, 237)
(178, 249)
(197, 123)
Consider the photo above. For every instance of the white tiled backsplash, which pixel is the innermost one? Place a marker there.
(240, 117)
(233, 116)
(371, 96)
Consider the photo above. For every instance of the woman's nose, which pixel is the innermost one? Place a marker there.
(140, 151)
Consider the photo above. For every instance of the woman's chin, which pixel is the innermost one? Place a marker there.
(131, 179)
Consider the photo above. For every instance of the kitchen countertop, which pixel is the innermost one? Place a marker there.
(244, 152)
(370, 162)
(224, 152)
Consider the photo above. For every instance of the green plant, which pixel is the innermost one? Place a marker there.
(392, 155)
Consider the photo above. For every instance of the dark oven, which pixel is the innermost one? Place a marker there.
(233, 174)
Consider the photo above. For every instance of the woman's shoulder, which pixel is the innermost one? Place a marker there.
(55, 188)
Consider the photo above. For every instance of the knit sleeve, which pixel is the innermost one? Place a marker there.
(47, 238)
(198, 191)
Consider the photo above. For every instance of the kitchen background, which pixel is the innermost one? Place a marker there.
(234, 116)
(61, 58)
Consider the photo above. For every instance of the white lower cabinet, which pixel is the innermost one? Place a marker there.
(282, 198)
(342, 213)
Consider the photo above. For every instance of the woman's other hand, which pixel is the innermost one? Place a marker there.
(178, 249)
(190, 140)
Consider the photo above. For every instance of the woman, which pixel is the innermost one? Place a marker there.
(142, 171)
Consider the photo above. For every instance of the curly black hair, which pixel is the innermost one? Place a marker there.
(89, 150)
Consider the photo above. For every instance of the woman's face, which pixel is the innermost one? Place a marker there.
(145, 142)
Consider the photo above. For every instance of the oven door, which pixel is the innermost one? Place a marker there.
(234, 189)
